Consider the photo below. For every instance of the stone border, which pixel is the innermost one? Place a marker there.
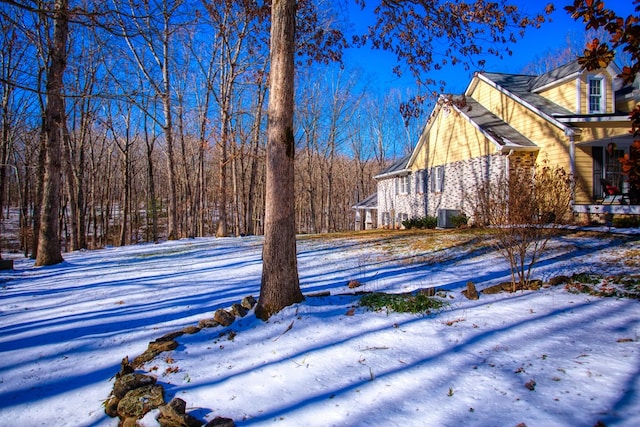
(135, 394)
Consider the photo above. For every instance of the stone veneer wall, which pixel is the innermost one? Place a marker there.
(461, 179)
(461, 182)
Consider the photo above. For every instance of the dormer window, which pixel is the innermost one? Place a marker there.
(596, 95)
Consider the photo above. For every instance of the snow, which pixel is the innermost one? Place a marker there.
(64, 330)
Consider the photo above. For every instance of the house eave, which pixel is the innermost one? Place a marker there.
(393, 174)
(594, 119)
(557, 82)
(506, 149)
(566, 128)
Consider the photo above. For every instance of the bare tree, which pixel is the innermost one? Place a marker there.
(48, 243)
(525, 209)
(157, 38)
(280, 286)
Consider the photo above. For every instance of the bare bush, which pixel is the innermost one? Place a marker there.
(525, 210)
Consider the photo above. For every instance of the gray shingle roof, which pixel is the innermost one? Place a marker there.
(554, 75)
(520, 86)
(396, 167)
(489, 123)
(371, 202)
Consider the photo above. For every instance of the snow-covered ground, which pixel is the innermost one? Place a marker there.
(64, 330)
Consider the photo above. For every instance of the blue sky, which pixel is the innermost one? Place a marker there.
(537, 43)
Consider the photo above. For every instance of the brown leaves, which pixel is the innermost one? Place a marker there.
(623, 33)
(426, 35)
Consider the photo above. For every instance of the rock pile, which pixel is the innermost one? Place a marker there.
(134, 394)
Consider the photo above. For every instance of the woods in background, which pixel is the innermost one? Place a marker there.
(163, 124)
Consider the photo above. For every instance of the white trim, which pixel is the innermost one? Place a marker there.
(557, 82)
(521, 101)
(594, 119)
(578, 95)
(602, 79)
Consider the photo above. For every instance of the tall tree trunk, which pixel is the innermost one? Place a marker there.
(222, 191)
(151, 188)
(126, 196)
(250, 213)
(280, 285)
(70, 182)
(48, 242)
(171, 165)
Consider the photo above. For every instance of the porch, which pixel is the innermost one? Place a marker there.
(603, 213)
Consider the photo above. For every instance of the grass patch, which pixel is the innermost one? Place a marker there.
(621, 286)
(402, 303)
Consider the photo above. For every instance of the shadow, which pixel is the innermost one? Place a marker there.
(105, 305)
(476, 349)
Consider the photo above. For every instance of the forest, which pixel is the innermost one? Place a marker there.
(165, 121)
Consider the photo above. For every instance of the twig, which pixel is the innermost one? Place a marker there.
(286, 330)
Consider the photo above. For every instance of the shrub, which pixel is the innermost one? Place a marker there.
(421, 222)
(459, 220)
(525, 210)
(402, 303)
(627, 221)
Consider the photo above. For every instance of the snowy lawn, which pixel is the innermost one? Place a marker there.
(546, 358)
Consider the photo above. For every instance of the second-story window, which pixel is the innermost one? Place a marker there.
(596, 95)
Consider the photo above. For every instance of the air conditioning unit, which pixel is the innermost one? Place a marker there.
(444, 217)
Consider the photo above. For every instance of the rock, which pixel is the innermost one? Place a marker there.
(500, 287)
(471, 292)
(129, 382)
(207, 323)
(221, 422)
(223, 317)
(155, 348)
(170, 336)
(111, 406)
(174, 414)
(559, 280)
(534, 285)
(125, 367)
(427, 292)
(248, 302)
(531, 385)
(354, 284)
(319, 294)
(141, 400)
(238, 310)
(190, 330)
(129, 422)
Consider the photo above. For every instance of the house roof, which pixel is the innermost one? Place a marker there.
(371, 202)
(399, 167)
(520, 86)
(500, 132)
(566, 71)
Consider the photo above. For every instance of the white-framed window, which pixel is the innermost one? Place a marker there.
(420, 181)
(596, 96)
(437, 179)
(404, 183)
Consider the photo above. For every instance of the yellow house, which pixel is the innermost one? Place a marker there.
(570, 117)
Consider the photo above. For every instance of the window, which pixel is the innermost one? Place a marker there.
(420, 181)
(596, 95)
(612, 165)
(437, 179)
(404, 184)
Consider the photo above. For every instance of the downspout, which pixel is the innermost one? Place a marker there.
(507, 164)
(572, 162)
